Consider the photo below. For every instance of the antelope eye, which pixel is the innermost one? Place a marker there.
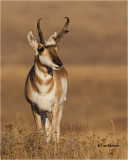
(40, 49)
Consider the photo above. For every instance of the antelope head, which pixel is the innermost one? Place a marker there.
(47, 50)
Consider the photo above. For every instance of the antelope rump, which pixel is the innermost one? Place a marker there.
(46, 83)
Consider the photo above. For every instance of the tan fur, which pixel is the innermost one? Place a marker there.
(34, 86)
(39, 65)
(38, 80)
(46, 53)
(51, 87)
(28, 88)
(57, 79)
(49, 81)
(63, 73)
(53, 51)
(60, 110)
(55, 118)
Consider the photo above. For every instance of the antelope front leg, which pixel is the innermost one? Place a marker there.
(47, 125)
(58, 122)
(37, 118)
(54, 121)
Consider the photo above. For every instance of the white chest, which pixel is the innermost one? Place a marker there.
(44, 100)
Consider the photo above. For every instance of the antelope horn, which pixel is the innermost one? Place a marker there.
(40, 32)
(63, 31)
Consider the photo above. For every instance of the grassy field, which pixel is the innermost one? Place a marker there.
(22, 142)
(95, 107)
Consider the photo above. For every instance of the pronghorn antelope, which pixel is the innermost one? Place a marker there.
(46, 84)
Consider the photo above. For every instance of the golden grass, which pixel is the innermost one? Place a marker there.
(20, 141)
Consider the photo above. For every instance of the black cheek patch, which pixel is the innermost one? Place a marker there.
(55, 59)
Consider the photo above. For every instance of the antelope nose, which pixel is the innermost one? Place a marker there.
(60, 64)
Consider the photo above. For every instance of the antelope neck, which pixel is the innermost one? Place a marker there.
(44, 69)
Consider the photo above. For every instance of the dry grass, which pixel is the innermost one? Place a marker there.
(23, 142)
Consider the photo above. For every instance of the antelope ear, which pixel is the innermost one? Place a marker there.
(53, 36)
(32, 41)
(51, 40)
